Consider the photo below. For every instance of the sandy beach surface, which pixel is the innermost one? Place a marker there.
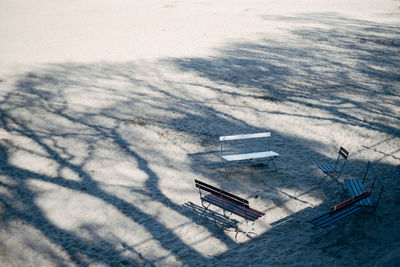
(110, 109)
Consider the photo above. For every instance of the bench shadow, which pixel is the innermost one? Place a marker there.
(201, 216)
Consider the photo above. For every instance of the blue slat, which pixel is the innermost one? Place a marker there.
(339, 216)
(325, 219)
(355, 188)
(327, 168)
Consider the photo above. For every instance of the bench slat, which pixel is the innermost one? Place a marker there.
(326, 219)
(247, 156)
(223, 194)
(232, 208)
(356, 187)
(340, 211)
(244, 136)
(217, 191)
(248, 209)
(249, 214)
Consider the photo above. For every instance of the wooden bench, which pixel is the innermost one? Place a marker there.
(228, 203)
(249, 155)
(340, 211)
(370, 180)
(356, 187)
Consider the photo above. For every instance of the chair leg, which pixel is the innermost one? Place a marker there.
(323, 178)
(335, 179)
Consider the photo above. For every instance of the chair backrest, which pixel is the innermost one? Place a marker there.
(372, 181)
(221, 193)
(341, 159)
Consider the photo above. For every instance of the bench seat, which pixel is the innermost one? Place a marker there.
(248, 156)
(247, 213)
(340, 211)
(242, 150)
(327, 218)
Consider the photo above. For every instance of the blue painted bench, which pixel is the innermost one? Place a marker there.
(370, 180)
(228, 203)
(340, 211)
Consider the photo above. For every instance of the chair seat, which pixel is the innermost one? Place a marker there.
(328, 168)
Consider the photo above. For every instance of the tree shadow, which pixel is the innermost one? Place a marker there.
(345, 67)
(75, 120)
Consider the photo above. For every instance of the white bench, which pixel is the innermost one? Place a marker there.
(247, 157)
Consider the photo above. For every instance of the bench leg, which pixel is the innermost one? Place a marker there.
(273, 163)
(224, 166)
(221, 165)
(249, 163)
(372, 213)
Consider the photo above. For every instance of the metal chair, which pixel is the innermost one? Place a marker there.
(334, 171)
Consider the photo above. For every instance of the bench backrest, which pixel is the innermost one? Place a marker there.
(221, 193)
(245, 143)
(349, 202)
(244, 136)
